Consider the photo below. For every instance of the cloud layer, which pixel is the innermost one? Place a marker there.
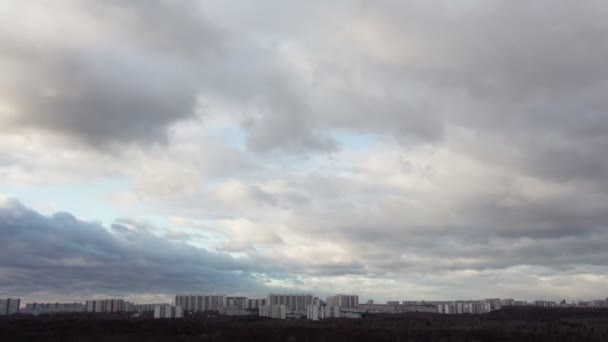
(65, 256)
(396, 149)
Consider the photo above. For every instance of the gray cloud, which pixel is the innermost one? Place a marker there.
(129, 85)
(101, 99)
(62, 255)
(476, 65)
(174, 28)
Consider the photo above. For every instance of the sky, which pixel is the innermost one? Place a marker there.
(399, 150)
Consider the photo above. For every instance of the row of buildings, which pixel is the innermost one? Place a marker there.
(11, 305)
(280, 306)
(229, 305)
(147, 307)
(201, 302)
(109, 305)
(487, 305)
(470, 307)
(318, 312)
(313, 312)
(52, 308)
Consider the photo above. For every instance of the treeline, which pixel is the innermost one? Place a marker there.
(505, 325)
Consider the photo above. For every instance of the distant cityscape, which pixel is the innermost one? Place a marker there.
(280, 306)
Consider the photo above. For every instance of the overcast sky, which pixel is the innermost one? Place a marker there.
(399, 150)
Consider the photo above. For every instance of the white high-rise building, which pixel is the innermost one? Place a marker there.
(168, 311)
(252, 303)
(238, 302)
(463, 307)
(147, 307)
(273, 311)
(344, 301)
(473, 308)
(295, 303)
(214, 302)
(190, 302)
(331, 311)
(51, 308)
(93, 306)
(317, 312)
(115, 305)
(9, 306)
(106, 305)
(507, 302)
(200, 302)
(443, 309)
(491, 304)
(314, 312)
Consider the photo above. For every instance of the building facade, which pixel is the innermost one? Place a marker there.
(168, 311)
(295, 303)
(9, 306)
(273, 311)
(52, 308)
(254, 303)
(470, 307)
(238, 302)
(108, 306)
(331, 311)
(344, 301)
(507, 302)
(313, 312)
(147, 307)
(201, 302)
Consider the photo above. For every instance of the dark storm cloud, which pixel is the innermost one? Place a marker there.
(63, 255)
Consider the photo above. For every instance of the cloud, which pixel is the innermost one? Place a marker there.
(118, 84)
(418, 143)
(64, 256)
(135, 70)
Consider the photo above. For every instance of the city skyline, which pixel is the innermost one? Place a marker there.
(286, 306)
(195, 301)
(402, 150)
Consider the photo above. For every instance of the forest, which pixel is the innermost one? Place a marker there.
(508, 324)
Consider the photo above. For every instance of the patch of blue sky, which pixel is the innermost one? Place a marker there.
(194, 234)
(90, 202)
(353, 141)
(208, 241)
(85, 201)
(230, 134)
(347, 142)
